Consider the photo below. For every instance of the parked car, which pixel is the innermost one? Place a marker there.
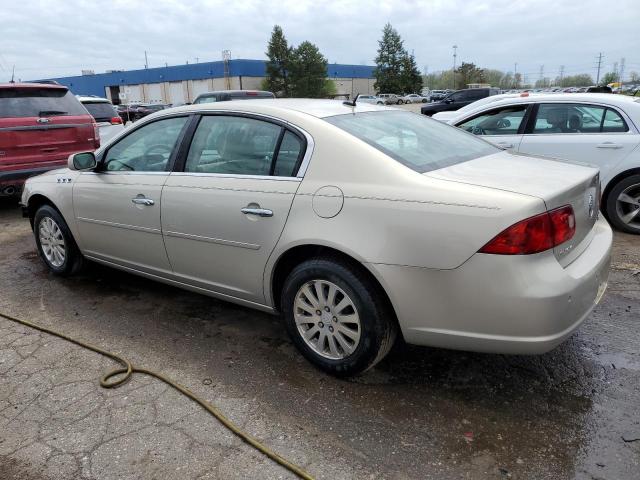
(227, 95)
(597, 129)
(142, 110)
(458, 99)
(357, 223)
(599, 89)
(389, 99)
(372, 99)
(448, 115)
(40, 125)
(105, 115)
(126, 112)
(414, 98)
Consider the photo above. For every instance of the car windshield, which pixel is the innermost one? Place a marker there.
(416, 141)
(100, 111)
(35, 102)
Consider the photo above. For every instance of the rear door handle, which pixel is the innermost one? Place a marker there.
(260, 212)
(609, 145)
(142, 201)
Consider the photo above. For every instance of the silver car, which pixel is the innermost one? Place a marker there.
(106, 116)
(357, 224)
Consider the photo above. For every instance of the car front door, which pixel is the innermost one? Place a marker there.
(502, 126)
(223, 214)
(117, 208)
(594, 134)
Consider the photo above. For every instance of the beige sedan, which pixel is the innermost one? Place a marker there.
(357, 224)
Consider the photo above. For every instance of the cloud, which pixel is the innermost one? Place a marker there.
(45, 39)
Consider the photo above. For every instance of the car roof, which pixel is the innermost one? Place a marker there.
(315, 107)
(52, 86)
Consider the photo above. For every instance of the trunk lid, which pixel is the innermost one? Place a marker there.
(557, 183)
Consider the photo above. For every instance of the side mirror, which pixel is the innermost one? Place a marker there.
(82, 161)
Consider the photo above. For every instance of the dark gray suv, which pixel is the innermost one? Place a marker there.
(458, 99)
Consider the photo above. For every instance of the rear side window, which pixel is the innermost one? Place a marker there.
(416, 141)
(288, 155)
(577, 118)
(101, 111)
(39, 102)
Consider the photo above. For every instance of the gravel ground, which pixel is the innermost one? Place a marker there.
(422, 413)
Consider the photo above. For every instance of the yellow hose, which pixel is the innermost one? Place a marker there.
(128, 370)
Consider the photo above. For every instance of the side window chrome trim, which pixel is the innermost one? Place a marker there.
(235, 175)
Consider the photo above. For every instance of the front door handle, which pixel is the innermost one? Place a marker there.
(505, 144)
(609, 145)
(142, 201)
(260, 212)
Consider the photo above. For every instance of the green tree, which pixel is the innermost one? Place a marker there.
(468, 73)
(279, 54)
(308, 72)
(609, 77)
(410, 78)
(389, 62)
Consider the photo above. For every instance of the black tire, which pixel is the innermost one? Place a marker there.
(73, 259)
(611, 207)
(378, 326)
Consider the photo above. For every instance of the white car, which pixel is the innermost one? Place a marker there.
(414, 98)
(357, 223)
(448, 115)
(372, 99)
(105, 115)
(591, 128)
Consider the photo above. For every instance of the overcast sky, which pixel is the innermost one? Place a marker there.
(47, 39)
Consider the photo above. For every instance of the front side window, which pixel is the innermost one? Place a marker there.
(416, 141)
(501, 121)
(577, 118)
(146, 149)
(233, 145)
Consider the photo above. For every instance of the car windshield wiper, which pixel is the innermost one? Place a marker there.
(44, 113)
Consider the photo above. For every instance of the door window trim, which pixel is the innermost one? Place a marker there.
(135, 128)
(302, 163)
(631, 128)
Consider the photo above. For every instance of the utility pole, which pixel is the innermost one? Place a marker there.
(615, 71)
(621, 78)
(197, 59)
(561, 74)
(146, 62)
(455, 48)
(515, 71)
(541, 80)
(226, 56)
(599, 66)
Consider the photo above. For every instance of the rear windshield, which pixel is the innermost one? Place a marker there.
(38, 102)
(416, 141)
(101, 111)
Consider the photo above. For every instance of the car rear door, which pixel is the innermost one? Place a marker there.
(117, 208)
(594, 134)
(223, 213)
(502, 126)
(40, 127)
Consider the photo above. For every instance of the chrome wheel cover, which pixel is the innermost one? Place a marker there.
(628, 206)
(52, 242)
(327, 319)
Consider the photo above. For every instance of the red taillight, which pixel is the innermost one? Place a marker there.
(535, 234)
(116, 120)
(96, 136)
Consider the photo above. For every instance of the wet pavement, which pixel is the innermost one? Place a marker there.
(421, 414)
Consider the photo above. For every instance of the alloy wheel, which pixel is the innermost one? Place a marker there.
(327, 319)
(52, 242)
(628, 206)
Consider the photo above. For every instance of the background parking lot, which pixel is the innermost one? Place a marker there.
(422, 413)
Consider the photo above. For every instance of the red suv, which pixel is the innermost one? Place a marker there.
(40, 126)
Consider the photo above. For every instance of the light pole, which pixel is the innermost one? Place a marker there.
(455, 48)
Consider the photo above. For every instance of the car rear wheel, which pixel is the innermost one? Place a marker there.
(336, 316)
(623, 205)
(400, 102)
(55, 243)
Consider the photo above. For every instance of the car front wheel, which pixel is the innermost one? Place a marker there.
(623, 205)
(55, 243)
(337, 317)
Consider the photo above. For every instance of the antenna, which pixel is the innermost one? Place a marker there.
(13, 74)
(352, 103)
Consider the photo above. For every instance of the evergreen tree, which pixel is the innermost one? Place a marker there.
(389, 62)
(308, 72)
(279, 54)
(468, 73)
(411, 79)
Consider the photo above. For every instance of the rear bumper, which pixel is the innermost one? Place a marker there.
(525, 304)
